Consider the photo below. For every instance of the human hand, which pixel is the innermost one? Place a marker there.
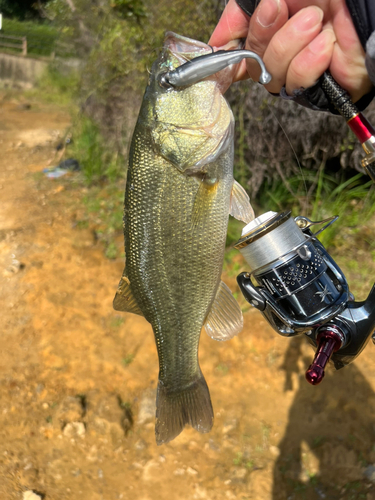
(298, 40)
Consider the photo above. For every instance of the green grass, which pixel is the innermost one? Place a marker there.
(355, 490)
(103, 172)
(102, 211)
(111, 252)
(352, 199)
(317, 441)
(232, 263)
(241, 461)
(117, 321)
(234, 231)
(106, 206)
(55, 88)
(129, 358)
(349, 240)
(41, 37)
(222, 369)
(97, 159)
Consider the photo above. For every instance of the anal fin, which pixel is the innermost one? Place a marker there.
(240, 207)
(225, 319)
(124, 299)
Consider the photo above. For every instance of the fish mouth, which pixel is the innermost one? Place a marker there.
(185, 47)
(178, 44)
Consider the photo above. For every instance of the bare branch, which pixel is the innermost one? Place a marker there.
(42, 12)
(87, 37)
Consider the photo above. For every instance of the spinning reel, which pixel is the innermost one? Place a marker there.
(299, 288)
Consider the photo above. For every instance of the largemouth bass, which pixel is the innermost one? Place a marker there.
(179, 193)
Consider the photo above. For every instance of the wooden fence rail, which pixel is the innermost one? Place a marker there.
(22, 45)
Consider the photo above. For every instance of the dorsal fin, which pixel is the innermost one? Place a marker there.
(224, 320)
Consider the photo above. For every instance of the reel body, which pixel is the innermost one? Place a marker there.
(299, 288)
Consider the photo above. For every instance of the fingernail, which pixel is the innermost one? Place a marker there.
(308, 18)
(322, 42)
(268, 12)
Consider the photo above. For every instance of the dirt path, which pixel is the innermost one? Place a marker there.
(78, 380)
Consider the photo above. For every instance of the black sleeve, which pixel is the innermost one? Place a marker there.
(248, 6)
(363, 16)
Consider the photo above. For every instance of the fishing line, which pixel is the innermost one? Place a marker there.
(279, 123)
(291, 146)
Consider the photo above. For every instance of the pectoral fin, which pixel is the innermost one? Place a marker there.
(224, 320)
(240, 207)
(124, 299)
(203, 199)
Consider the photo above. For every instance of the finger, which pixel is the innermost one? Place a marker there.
(306, 68)
(348, 60)
(350, 74)
(267, 19)
(234, 23)
(295, 5)
(288, 42)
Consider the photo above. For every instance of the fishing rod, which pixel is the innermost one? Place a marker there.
(295, 283)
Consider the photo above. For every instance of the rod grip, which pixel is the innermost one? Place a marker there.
(338, 96)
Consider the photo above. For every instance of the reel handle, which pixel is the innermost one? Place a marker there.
(330, 340)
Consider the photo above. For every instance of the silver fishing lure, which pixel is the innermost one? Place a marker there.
(203, 66)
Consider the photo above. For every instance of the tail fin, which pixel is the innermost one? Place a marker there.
(175, 409)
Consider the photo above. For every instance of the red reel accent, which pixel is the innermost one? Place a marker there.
(330, 341)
